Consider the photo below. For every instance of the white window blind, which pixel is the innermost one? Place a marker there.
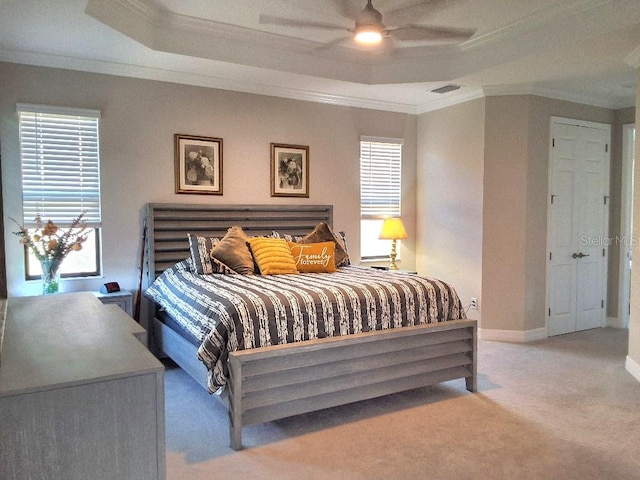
(380, 177)
(380, 192)
(60, 164)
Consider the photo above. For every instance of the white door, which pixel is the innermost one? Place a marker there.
(578, 226)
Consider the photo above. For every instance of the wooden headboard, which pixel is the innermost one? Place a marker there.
(168, 225)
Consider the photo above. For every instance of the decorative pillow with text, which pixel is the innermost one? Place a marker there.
(314, 257)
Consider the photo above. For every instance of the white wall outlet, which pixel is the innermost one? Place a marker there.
(474, 303)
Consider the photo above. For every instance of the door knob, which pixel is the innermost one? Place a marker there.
(575, 255)
(579, 255)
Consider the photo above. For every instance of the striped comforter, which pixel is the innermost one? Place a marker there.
(234, 312)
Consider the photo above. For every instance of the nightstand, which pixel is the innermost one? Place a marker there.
(122, 298)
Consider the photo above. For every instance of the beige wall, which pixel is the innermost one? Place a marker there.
(450, 196)
(515, 206)
(505, 212)
(482, 203)
(139, 119)
(475, 175)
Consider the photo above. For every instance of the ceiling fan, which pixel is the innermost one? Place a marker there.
(369, 28)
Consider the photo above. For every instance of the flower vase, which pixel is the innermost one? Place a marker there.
(50, 277)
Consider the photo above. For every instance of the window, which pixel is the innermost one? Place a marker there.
(380, 192)
(61, 178)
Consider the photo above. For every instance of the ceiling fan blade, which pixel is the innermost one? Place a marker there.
(432, 34)
(290, 22)
(333, 43)
(389, 45)
(416, 10)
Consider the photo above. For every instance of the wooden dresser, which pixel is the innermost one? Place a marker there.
(80, 396)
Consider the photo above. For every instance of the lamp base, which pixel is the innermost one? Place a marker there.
(392, 256)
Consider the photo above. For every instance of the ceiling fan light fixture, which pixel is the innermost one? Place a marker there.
(369, 27)
(368, 35)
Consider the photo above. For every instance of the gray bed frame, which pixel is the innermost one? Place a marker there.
(280, 381)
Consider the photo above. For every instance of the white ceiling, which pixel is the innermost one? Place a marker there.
(568, 49)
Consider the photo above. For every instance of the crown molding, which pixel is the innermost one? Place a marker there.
(198, 80)
(450, 99)
(508, 90)
(556, 94)
(563, 10)
(233, 84)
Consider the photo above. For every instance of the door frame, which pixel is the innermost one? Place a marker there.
(587, 124)
(626, 216)
(3, 260)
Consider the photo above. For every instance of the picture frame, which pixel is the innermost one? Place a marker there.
(289, 170)
(198, 164)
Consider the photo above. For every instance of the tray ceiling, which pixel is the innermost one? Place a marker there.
(569, 49)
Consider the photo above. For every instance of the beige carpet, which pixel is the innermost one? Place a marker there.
(562, 408)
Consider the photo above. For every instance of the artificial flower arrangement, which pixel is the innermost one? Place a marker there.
(50, 245)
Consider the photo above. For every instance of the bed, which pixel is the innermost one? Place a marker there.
(265, 383)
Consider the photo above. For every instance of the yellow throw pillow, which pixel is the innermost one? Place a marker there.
(314, 257)
(272, 255)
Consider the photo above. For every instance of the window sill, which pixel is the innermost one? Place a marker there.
(378, 260)
(66, 279)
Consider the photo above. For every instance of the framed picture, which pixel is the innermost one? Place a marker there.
(289, 170)
(198, 166)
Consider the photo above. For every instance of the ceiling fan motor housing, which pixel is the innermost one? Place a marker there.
(368, 17)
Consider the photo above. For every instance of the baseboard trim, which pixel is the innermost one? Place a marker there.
(633, 368)
(615, 322)
(516, 336)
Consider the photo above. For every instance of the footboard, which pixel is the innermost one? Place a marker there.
(280, 381)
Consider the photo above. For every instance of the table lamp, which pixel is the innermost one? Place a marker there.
(393, 229)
